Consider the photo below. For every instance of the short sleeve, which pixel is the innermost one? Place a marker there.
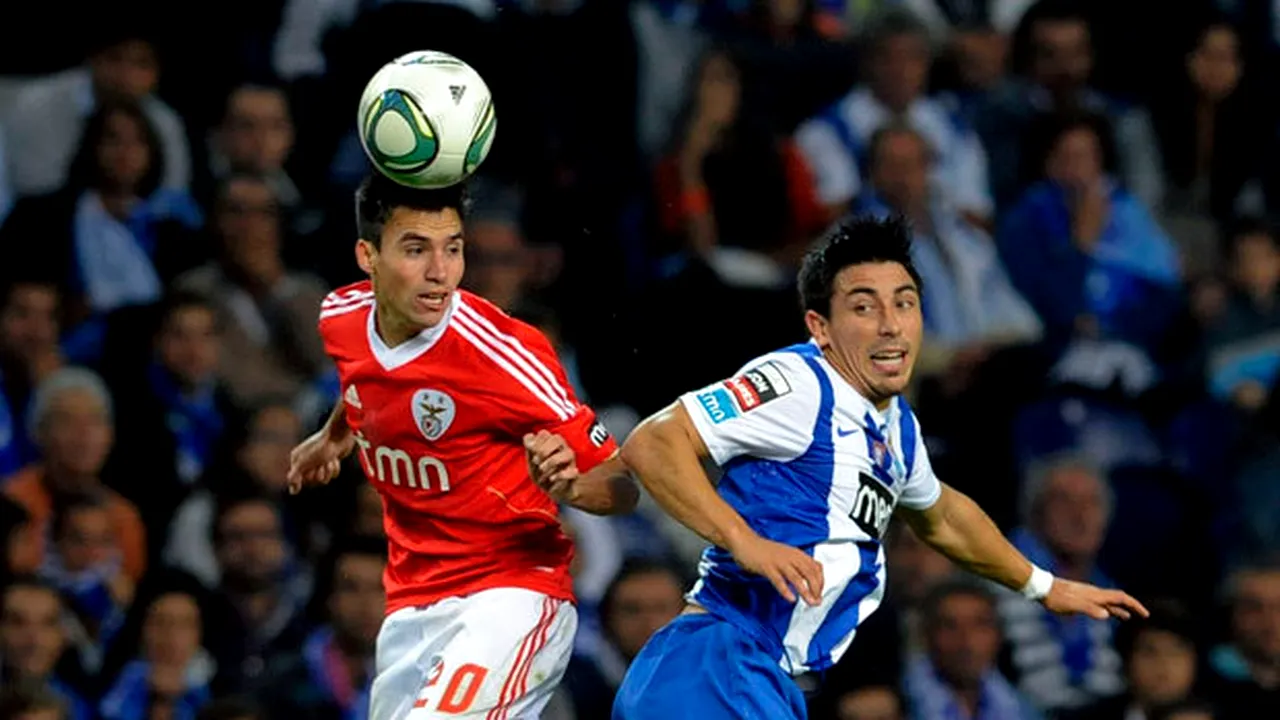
(834, 173)
(766, 410)
(536, 395)
(923, 488)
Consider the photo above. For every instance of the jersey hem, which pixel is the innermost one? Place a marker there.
(412, 598)
(924, 504)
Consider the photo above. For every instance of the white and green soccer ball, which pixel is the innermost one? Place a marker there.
(427, 120)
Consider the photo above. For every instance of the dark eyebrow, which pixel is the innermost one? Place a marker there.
(864, 290)
(413, 236)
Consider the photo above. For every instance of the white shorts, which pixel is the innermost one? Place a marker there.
(495, 655)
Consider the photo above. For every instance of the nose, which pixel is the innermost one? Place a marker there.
(890, 324)
(435, 269)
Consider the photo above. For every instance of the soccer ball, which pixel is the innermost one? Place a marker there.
(427, 120)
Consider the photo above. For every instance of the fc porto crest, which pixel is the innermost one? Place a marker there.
(432, 412)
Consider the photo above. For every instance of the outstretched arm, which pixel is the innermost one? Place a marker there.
(666, 453)
(956, 527)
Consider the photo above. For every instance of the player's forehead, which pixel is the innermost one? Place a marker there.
(877, 278)
(442, 225)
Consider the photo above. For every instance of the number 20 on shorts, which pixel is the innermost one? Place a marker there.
(461, 690)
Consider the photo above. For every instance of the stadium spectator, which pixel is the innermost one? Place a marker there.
(1062, 663)
(32, 639)
(956, 676)
(73, 425)
(49, 115)
(835, 142)
(267, 311)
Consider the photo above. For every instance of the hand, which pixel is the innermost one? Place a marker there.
(552, 463)
(1067, 597)
(317, 460)
(785, 566)
(1090, 213)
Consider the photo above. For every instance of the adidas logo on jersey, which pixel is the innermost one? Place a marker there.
(352, 398)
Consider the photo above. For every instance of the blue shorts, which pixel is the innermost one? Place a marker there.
(700, 667)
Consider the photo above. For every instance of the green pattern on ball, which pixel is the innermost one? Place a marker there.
(425, 146)
(474, 157)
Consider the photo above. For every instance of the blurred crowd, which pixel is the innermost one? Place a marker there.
(1092, 186)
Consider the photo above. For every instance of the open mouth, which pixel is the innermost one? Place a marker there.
(889, 362)
(433, 301)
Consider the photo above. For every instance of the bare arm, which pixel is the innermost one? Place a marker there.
(606, 489)
(335, 426)
(318, 459)
(956, 527)
(666, 453)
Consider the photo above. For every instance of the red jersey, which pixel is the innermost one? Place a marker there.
(439, 423)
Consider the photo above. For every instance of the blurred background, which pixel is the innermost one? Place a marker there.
(1092, 185)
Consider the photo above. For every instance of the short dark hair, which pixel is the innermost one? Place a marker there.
(85, 170)
(257, 84)
(64, 506)
(635, 567)
(379, 195)
(245, 495)
(891, 23)
(853, 241)
(1046, 130)
(180, 299)
(1044, 11)
(28, 582)
(1167, 615)
(947, 589)
(351, 545)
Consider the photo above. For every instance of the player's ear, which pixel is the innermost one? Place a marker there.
(366, 254)
(818, 327)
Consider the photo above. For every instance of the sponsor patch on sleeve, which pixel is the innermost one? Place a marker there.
(718, 403)
(598, 434)
(757, 386)
(744, 393)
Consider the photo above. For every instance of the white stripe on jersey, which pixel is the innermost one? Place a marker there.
(548, 379)
(335, 299)
(486, 346)
(343, 309)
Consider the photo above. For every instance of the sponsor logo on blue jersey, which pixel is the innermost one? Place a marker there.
(718, 404)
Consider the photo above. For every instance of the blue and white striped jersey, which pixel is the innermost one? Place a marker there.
(807, 461)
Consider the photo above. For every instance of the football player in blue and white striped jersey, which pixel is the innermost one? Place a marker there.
(819, 450)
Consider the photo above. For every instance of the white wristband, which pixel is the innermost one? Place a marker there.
(1038, 585)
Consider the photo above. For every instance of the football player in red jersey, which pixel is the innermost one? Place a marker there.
(453, 408)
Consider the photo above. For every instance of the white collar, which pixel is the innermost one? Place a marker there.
(406, 352)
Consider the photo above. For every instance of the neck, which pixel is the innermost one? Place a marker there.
(897, 106)
(354, 662)
(847, 375)
(257, 607)
(117, 203)
(393, 330)
(64, 480)
(968, 698)
(1073, 568)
